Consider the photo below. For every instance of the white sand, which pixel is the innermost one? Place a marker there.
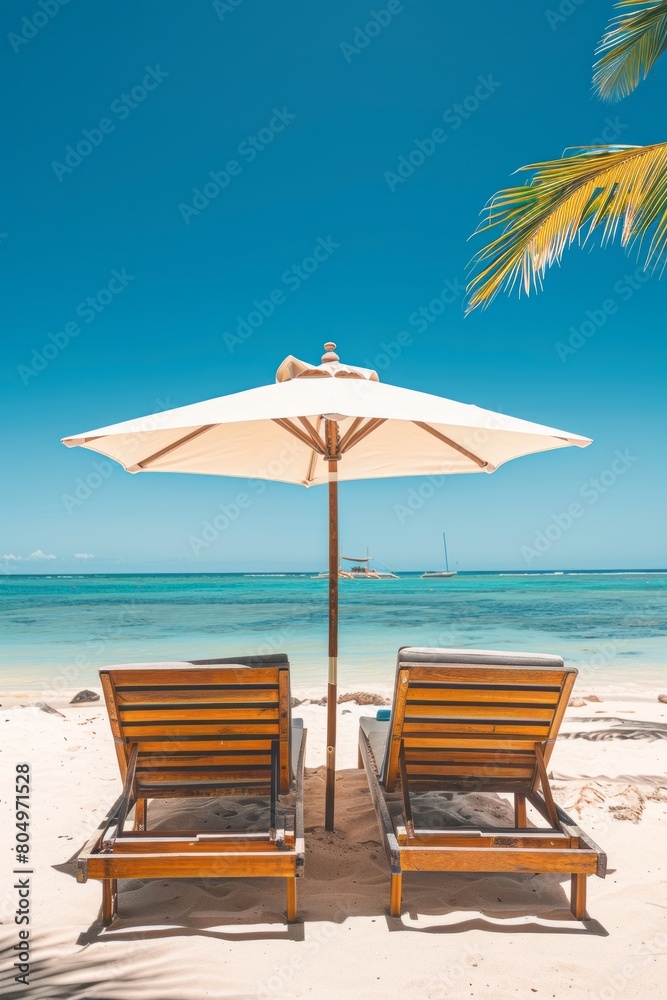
(460, 935)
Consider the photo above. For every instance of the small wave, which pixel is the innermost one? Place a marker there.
(617, 572)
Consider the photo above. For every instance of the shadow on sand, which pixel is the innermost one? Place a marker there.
(346, 876)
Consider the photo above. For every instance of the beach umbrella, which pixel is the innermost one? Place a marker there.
(316, 425)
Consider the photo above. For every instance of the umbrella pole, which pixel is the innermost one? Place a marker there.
(332, 690)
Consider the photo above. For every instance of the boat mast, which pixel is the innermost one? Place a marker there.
(444, 542)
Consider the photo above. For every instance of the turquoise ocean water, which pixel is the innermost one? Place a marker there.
(55, 631)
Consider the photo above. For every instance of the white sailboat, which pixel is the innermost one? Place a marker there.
(441, 574)
(360, 570)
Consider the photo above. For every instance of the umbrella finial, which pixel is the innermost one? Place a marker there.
(329, 347)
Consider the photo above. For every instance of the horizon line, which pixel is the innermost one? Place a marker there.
(296, 572)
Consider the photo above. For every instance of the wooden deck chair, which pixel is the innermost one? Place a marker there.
(204, 727)
(469, 721)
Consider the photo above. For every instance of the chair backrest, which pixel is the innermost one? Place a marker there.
(203, 727)
(469, 719)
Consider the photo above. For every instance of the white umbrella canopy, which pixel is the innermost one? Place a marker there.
(384, 431)
(318, 424)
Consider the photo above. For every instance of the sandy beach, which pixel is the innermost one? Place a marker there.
(459, 936)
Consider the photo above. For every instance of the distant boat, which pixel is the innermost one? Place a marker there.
(360, 570)
(441, 574)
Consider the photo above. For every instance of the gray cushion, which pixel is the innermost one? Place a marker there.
(490, 657)
(263, 660)
(377, 733)
(267, 660)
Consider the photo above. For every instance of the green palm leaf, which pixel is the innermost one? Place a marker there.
(616, 191)
(630, 46)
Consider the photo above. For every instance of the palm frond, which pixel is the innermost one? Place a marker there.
(630, 46)
(618, 191)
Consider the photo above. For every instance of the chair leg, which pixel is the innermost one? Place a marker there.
(520, 819)
(360, 759)
(291, 900)
(109, 894)
(140, 814)
(578, 896)
(395, 896)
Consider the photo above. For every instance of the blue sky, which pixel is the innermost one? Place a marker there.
(298, 118)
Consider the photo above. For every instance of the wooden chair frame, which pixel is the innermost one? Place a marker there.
(561, 847)
(113, 852)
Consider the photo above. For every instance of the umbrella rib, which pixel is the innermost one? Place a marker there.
(316, 440)
(452, 444)
(351, 439)
(171, 447)
(287, 425)
(349, 432)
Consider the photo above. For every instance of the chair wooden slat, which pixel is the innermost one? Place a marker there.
(132, 731)
(494, 742)
(198, 775)
(483, 693)
(253, 758)
(241, 743)
(465, 710)
(207, 713)
(191, 677)
(446, 756)
(211, 789)
(186, 696)
(468, 725)
(458, 673)
(479, 770)
(164, 845)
